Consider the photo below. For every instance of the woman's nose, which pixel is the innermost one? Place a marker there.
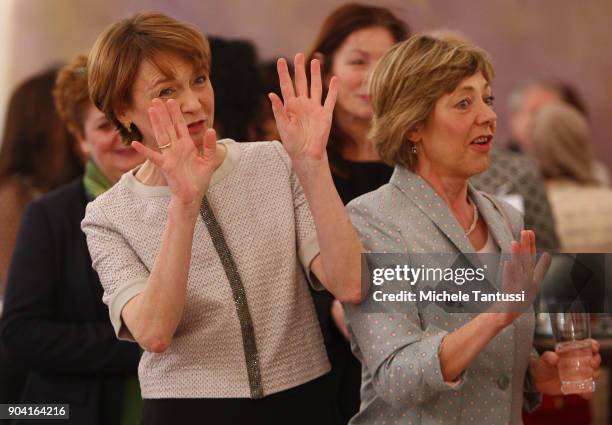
(189, 101)
(487, 114)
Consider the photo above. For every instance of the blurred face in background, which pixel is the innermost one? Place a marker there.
(521, 120)
(101, 142)
(352, 65)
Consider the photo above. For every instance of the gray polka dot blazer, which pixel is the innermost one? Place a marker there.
(401, 378)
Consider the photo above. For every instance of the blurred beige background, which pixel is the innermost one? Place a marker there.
(560, 39)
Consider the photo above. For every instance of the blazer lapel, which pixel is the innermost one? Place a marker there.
(418, 191)
(497, 224)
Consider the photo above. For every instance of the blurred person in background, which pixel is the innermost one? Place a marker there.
(37, 154)
(235, 75)
(54, 320)
(560, 141)
(349, 43)
(525, 101)
(264, 125)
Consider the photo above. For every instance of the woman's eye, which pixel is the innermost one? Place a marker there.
(357, 62)
(106, 126)
(201, 79)
(165, 92)
(489, 100)
(464, 104)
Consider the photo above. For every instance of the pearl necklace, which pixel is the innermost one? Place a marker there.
(475, 221)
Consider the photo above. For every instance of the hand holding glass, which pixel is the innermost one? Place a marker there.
(572, 332)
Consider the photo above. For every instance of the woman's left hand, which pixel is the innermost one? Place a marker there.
(545, 372)
(303, 123)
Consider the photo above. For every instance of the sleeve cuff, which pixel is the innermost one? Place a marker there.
(308, 250)
(435, 379)
(116, 303)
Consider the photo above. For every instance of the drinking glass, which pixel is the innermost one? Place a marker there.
(571, 328)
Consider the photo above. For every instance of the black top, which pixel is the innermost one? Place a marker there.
(360, 177)
(357, 178)
(54, 320)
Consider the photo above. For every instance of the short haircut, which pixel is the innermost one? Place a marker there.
(406, 84)
(72, 96)
(116, 56)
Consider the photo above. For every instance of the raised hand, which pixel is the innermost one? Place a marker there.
(186, 166)
(303, 123)
(522, 276)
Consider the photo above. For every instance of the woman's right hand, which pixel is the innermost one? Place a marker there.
(187, 167)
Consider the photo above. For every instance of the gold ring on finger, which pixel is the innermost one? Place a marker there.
(166, 146)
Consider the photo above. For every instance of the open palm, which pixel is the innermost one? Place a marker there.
(303, 123)
(187, 167)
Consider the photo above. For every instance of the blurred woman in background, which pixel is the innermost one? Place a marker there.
(560, 141)
(349, 43)
(37, 154)
(54, 320)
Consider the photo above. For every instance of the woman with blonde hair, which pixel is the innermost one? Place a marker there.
(434, 121)
(205, 252)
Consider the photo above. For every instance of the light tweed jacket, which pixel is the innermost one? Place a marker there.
(402, 380)
(217, 351)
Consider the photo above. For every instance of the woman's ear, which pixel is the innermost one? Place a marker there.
(82, 148)
(414, 134)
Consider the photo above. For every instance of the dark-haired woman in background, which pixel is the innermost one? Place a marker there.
(36, 155)
(54, 319)
(349, 43)
(235, 75)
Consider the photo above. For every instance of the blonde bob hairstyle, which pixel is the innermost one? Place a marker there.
(407, 82)
(116, 56)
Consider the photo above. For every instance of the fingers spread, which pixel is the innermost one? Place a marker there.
(315, 81)
(286, 85)
(301, 83)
